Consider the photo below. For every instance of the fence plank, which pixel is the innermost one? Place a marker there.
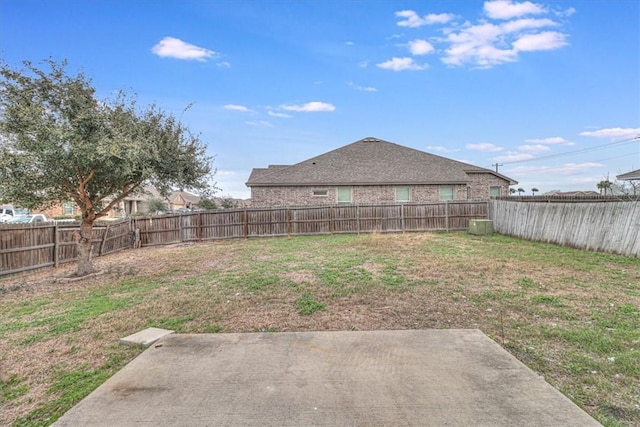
(610, 227)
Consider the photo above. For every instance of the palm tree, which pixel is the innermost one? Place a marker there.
(512, 191)
(603, 186)
(520, 191)
(534, 191)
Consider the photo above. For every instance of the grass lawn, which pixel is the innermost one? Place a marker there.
(572, 316)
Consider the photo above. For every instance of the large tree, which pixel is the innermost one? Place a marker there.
(59, 142)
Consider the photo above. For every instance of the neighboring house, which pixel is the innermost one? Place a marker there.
(137, 203)
(62, 209)
(374, 171)
(183, 200)
(630, 176)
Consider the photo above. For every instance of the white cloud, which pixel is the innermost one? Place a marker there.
(280, 115)
(613, 133)
(349, 43)
(534, 148)
(413, 20)
(362, 88)
(551, 140)
(525, 24)
(546, 40)
(488, 44)
(401, 64)
(475, 45)
(513, 157)
(420, 47)
(565, 13)
(507, 9)
(225, 173)
(514, 28)
(223, 64)
(440, 149)
(261, 123)
(235, 107)
(483, 146)
(313, 106)
(171, 47)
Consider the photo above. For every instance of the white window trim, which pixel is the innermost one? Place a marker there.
(326, 192)
(350, 195)
(453, 192)
(408, 194)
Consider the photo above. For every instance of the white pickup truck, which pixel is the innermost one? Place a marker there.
(28, 219)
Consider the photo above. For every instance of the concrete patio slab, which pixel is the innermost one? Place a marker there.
(146, 337)
(376, 378)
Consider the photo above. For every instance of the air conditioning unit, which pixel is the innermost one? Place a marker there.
(481, 227)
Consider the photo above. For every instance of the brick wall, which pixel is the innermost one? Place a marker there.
(481, 183)
(304, 195)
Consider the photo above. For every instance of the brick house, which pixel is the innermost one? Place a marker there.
(373, 171)
(183, 200)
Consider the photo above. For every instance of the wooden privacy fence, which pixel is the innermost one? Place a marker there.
(29, 247)
(288, 221)
(610, 227)
(26, 247)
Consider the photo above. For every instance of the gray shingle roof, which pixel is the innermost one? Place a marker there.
(633, 175)
(370, 161)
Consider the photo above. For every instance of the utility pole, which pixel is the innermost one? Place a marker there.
(496, 165)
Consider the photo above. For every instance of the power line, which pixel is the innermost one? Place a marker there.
(570, 153)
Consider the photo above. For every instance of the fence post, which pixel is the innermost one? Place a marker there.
(199, 230)
(332, 217)
(358, 218)
(288, 219)
(104, 239)
(56, 243)
(402, 217)
(446, 215)
(245, 225)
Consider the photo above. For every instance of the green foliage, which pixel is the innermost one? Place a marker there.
(308, 305)
(548, 300)
(62, 143)
(526, 282)
(69, 387)
(12, 388)
(172, 323)
(228, 203)
(207, 204)
(157, 206)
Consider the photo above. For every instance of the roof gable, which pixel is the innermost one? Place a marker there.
(633, 175)
(366, 162)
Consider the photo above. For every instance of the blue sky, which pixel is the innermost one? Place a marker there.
(276, 82)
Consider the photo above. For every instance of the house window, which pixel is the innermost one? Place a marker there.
(446, 192)
(320, 193)
(344, 194)
(495, 191)
(403, 194)
(67, 209)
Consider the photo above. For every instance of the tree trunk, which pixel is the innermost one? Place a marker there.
(84, 249)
